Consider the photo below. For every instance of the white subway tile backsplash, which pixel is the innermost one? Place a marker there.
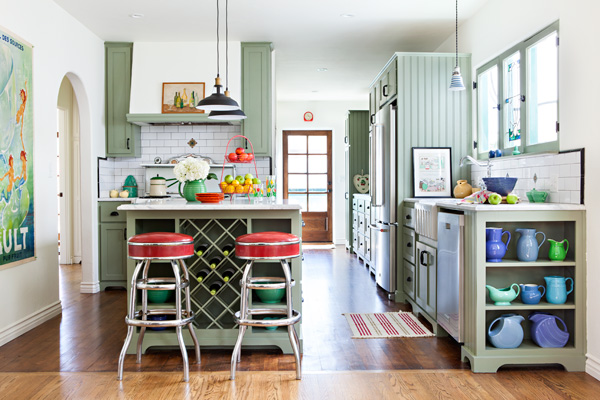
(565, 170)
(149, 136)
(178, 135)
(576, 170)
(565, 197)
(154, 128)
(200, 128)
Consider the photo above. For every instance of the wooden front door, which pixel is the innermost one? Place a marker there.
(307, 180)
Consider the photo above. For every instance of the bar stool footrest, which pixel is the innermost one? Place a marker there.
(268, 282)
(270, 322)
(160, 284)
(137, 321)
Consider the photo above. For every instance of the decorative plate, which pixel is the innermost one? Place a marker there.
(361, 183)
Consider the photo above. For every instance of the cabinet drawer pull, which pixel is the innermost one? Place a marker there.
(409, 279)
(409, 244)
(385, 91)
(128, 144)
(114, 214)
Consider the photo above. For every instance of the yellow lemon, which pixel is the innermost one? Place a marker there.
(223, 185)
(229, 189)
(239, 189)
(248, 182)
(235, 182)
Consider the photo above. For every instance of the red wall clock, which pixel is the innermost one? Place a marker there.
(308, 116)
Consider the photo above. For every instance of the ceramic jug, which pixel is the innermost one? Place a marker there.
(527, 245)
(503, 297)
(545, 331)
(508, 333)
(495, 248)
(556, 289)
(558, 252)
(462, 189)
(530, 293)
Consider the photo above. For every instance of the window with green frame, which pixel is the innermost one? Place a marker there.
(517, 97)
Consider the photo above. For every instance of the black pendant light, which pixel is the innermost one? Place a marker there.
(218, 101)
(456, 82)
(227, 114)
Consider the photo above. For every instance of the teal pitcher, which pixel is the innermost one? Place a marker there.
(556, 289)
(558, 252)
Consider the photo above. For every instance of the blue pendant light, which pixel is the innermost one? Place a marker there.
(456, 82)
(218, 101)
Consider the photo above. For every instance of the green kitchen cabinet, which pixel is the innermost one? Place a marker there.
(112, 244)
(356, 162)
(257, 96)
(123, 139)
(387, 82)
(426, 279)
(373, 102)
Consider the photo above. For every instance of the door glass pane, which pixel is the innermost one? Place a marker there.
(317, 144)
(297, 164)
(317, 183)
(317, 202)
(298, 199)
(487, 109)
(512, 100)
(297, 183)
(542, 87)
(317, 164)
(296, 144)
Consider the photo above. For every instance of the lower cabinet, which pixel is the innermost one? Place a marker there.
(361, 233)
(112, 245)
(426, 285)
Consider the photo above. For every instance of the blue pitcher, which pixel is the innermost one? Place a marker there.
(545, 331)
(495, 248)
(530, 293)
(508, 333)
(556, 289)
(527, 245)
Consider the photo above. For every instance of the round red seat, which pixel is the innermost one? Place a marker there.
(160, 245)
(267, 245)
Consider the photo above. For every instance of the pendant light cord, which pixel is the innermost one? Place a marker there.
(217, 38)
(456, 33)
(227, 45)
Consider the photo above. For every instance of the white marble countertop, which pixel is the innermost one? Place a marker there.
(455, 204)
(242, 203)
(129, 199)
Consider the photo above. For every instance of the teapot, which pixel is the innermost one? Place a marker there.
(545, 331)
(508, 333)
(557, 250)
(530, 293)
(527, 245)
(158, 186)
(556, 289)
(495, 248)
(503, 297)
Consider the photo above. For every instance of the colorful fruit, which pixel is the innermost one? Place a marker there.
(247, 181)
(495, 199)
(243, 157)
(235, 183)
(228, 178)
(223, 185)
(512, 199)
(232, 157)
(250, 157)
(229, 189)
(239, 189)
(248, 176)
(239, 151)
(256, 181)
(239, 178)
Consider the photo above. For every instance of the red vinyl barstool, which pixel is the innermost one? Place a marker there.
(147, 247)
(266, 246)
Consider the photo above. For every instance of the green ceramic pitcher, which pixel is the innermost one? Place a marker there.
(190, 188)
(558, 252)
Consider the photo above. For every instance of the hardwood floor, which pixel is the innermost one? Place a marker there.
(75, 355)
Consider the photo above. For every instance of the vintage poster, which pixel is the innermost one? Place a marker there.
(432, 171)
(16, 151)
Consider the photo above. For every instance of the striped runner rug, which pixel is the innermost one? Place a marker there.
(386, 325)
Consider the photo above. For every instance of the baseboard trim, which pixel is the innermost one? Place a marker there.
(339, 241)
(89, 287)
(31, 321)
(592, 366)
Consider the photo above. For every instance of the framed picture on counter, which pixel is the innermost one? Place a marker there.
(182, 97)
(432, 171)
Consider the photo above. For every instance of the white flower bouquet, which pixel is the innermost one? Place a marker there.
(192, 169)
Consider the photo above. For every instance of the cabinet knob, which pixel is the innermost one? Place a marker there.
(409, 244)
(409, 279)
(114, 214)
(408, 216)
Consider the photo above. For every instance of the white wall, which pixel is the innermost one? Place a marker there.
(501, 24)
(155, 63)
(61, 45)
(328, 115)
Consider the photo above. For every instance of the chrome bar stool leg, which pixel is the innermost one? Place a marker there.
(178, 315)
(131, 315)
(237, 349)
(291, 330)
(144, 314)
(188, 306)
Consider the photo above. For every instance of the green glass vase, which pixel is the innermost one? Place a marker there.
(190, 188)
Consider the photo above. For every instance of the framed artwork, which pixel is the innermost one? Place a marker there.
(182, 97)
(17, 226)
(432, 171)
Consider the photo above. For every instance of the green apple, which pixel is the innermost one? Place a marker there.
(228, 179)
(248, 176)
(495, 199)
(256, 181)
(240, 178)
(512, 198)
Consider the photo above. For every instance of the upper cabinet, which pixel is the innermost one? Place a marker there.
(384, 88)
(257, 97)
(122, 138)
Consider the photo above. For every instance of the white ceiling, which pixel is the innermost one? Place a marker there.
(306, 34)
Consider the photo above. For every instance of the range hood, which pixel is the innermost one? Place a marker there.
(176, 119)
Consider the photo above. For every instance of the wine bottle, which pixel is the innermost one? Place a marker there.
(178, 101)
(192, 100)
(214, 287)
(184, 99)
(215, 261)
(202, 274)
(227, 274)
(175, 101)
(227, 249)
(201, 249)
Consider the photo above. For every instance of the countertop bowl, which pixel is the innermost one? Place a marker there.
(502, 186)
(536, 196)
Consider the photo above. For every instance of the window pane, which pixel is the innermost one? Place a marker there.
(296, 144)
(542, 86)
(317, 183)
(297, 183)
(296, 164)
(317, 144)
(298, 199)
(317, 164)
(487, 119)
(317, 202)
(512, 100)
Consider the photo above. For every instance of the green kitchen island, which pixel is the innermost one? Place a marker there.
(214, 228)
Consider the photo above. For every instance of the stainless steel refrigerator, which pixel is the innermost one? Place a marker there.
(383, 182)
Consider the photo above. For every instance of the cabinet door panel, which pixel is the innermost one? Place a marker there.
(113, 252)
(426, 288)
(409, 279)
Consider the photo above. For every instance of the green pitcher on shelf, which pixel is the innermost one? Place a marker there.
(558, 252)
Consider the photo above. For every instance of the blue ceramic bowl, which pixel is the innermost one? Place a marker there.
(502, 186)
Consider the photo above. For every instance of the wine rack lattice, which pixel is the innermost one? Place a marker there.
(214, 311)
